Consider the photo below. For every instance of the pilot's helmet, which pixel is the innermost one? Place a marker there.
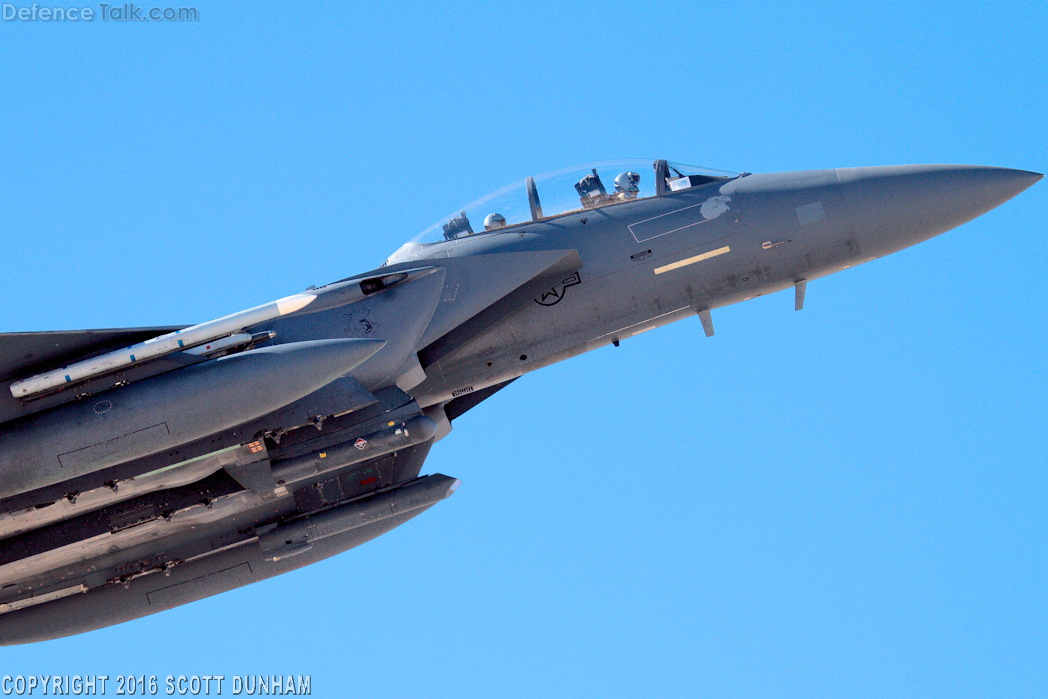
(494, 221)
(627, 182)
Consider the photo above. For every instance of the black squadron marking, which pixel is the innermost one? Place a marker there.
(359, 324)
(555, 293)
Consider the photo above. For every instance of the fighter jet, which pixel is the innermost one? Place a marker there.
(144, 468)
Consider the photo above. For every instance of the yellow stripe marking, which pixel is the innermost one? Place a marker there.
(692, 260)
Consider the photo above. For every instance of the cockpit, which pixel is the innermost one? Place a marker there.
(558, 193)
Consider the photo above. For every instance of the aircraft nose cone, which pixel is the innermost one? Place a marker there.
(895, 207)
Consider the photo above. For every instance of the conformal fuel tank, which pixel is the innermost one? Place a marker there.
(164, 411)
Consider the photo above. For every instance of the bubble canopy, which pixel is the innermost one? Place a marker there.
(557, 193)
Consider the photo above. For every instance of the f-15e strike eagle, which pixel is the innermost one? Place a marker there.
(141, 469)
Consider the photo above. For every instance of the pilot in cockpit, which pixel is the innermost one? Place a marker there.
(592, 194)
(492, 222)
(458, 227)
(591, 191)
(626, 186)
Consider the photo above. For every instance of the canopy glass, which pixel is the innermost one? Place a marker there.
(557, 193)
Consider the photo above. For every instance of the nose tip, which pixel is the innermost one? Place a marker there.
(894, 207)
(973, 190)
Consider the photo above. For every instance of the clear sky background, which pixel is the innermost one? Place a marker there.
(847, 501)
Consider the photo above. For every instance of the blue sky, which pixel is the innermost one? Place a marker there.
(846, 501)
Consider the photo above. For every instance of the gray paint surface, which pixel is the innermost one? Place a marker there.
(442, 332)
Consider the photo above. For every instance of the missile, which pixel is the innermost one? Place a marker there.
(164, 411)
(298, 536)
(158, 346)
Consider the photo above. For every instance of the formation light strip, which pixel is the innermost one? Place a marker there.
(692, 260)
